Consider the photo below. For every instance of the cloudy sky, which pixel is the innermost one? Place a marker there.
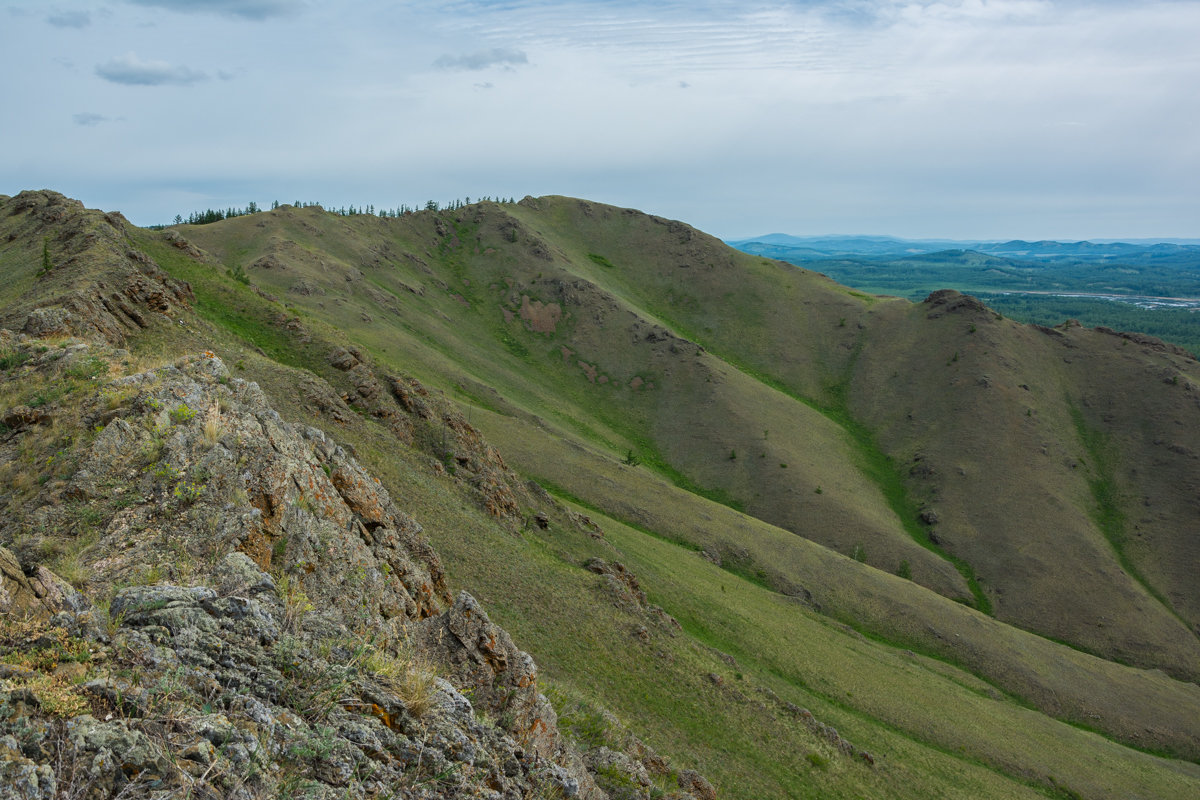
(961, 118)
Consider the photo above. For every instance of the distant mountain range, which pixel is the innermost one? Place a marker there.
(792, 248)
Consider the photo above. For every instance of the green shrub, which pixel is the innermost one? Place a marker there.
(88, 368)
(181, 414)
(12, 359)
(188, 492)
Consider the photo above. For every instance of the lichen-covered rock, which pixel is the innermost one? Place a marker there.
(193, 692)
(279, 622)
(22, 778)
(40, 594)
(196, 458)
(503, 678)
(696, 785)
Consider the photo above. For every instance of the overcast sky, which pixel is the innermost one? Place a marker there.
(963, 118)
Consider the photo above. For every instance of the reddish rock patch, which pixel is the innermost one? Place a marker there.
(566, 354)
(542, 317)
(636, 383)
(588, 370)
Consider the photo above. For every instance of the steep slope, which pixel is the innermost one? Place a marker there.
(574, 337)
(792, 328)
(607, 283)
(251, 615)
(1010, 435)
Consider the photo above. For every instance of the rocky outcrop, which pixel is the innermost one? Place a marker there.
(193, 457)
(93, 282)
(39, 595)
(483, 655)
(626, 592)
(207, 692)
(431, 423)
(951, 301)
(283, 626)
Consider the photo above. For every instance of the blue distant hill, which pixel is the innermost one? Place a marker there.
(815, 248)
(1156, 283)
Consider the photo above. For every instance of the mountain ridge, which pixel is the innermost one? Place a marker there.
(649, 340)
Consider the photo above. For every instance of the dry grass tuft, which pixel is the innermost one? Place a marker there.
(413, 677)
(296, 605)
(36, 651)
(21, 482)
(213, 426)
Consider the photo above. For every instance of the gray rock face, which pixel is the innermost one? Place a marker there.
(226, 704)
(504, 678)
(253, 556)
(198, 460)
(22, 778)
(40, 594)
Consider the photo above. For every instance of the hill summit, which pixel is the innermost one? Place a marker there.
(756, 534)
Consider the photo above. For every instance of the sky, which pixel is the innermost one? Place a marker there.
(971, 119)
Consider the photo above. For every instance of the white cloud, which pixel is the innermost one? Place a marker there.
(70, 19)
(483, 59)
(970, 118)
(132, 71)
(247, 9)
(88, 118)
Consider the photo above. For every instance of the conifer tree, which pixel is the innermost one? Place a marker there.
(47, 264)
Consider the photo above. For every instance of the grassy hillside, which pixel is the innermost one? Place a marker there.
(909, 520)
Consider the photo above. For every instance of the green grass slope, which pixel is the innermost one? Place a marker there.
(592, 317)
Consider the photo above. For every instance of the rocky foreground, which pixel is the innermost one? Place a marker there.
(258, 619)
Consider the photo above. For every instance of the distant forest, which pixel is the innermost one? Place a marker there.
(211, 215)
(1022, 284)
(1179, 326)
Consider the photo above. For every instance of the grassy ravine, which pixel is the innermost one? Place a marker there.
(937, 729)
(872, 461)
(882, 470)
(1109, 516)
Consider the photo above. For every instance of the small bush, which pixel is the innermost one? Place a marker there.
(164, 471)
(47, 262)
(88, 368)
(187, 492)
(181, 414)
(296, 605)
(11, 359)
(238, 273)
